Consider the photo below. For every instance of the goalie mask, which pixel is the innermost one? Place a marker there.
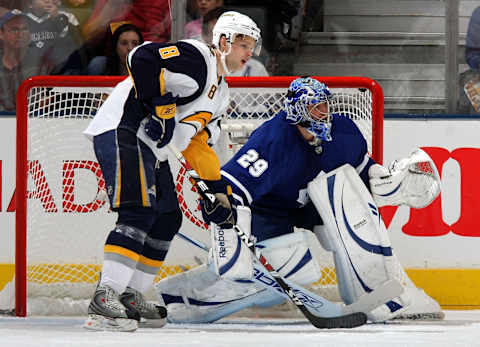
(232, 24)
(307, 104)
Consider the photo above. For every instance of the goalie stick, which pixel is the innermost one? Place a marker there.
(339, 318)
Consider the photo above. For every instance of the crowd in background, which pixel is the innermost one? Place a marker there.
(93, 37)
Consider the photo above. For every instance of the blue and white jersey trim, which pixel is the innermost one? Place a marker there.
(239, 185)
(363, 164)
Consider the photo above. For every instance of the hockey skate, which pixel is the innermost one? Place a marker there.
(151, 315)
(419, 306)
(423, 307)
(106, 313)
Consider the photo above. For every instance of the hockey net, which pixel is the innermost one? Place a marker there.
(62, 214)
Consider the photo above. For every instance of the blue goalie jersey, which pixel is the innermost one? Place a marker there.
(275, 165)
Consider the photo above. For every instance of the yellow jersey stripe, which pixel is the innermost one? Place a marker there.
(121, 251)
(162, 81)
(150, 262)
(143, 180)
(133, 80)
(201, 117)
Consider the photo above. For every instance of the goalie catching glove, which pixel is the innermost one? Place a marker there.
(222, 212)
(413, 181)
(161, 119)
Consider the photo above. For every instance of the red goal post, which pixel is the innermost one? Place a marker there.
(52, 112)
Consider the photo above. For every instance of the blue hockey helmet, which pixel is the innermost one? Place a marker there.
(302, 94)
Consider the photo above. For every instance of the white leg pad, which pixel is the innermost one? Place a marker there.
(352, 263)
(200, 296)
(290, 255)
(354, 231)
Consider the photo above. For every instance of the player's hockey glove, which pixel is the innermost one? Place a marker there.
(161, 119)
(223, 211)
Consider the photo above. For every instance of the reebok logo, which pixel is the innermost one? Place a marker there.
(222, 251)
(360, 224)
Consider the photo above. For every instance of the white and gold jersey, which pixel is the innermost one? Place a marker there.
(185, 72)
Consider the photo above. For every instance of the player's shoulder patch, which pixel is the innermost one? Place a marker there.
(168, 52)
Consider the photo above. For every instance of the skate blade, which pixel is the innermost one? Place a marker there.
(100, 323)
(427, 316)
(152, 323)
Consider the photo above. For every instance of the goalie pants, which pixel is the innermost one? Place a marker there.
(268, 223)
(142, 191)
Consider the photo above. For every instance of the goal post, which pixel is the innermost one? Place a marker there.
(62, 215)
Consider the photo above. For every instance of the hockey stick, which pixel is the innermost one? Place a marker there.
(349, 320)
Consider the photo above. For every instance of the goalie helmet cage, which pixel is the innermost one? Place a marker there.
(52, 112)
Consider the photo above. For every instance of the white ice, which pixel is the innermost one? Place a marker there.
(460, 328)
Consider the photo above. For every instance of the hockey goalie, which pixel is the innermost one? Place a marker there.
(306, 168)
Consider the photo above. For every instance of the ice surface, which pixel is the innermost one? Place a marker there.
(460, 328)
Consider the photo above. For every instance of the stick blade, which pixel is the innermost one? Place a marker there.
(382, 294)
(347, 321)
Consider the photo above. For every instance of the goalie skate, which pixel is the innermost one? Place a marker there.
(151, 315)
(422, 306)
(106, 313)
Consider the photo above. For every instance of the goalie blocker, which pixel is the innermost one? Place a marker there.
(355, 233)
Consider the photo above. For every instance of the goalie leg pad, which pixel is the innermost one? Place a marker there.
(200, 296)
(198, 311)
(354, 231)
(229, 257)
(292, 258)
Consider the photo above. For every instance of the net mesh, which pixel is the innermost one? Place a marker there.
(68, 213)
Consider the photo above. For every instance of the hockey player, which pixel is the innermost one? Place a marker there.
(310, 169)
(175, 93)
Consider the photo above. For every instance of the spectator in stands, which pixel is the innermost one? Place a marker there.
(125, 37)
(193, 29)
(472, 45)
(18, 62)
(276, 20)
(208, 22)
(52, 34)
(252, 67)
(18, 4)
(81, 9)
(152, 17)
(72, 19)
(469, 98)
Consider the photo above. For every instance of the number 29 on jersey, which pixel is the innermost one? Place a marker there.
(252, 161)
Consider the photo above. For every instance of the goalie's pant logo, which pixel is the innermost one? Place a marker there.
(429, 221)
(305, 299)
